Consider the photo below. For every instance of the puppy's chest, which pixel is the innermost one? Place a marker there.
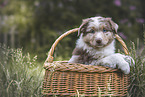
(85, 57)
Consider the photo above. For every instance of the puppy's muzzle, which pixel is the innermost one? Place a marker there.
(98, 40)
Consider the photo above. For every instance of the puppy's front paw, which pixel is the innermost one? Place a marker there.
(124, 66)
(119, 60)
(107, 63)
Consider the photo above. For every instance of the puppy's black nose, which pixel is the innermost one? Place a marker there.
(99, 40)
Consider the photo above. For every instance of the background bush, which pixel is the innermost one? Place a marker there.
(35, 24)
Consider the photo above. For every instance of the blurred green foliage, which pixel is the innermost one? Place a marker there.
(35, 24)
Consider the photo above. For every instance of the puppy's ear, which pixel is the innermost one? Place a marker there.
(113, 24)
(83, 26)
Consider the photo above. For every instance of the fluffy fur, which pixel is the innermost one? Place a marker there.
(95, 45)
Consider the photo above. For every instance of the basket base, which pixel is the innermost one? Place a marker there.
(67, 83)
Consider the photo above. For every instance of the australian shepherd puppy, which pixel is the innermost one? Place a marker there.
(96, 45)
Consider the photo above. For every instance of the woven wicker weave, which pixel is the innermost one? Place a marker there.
(71, 79)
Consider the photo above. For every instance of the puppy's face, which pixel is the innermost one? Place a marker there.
(98, 31)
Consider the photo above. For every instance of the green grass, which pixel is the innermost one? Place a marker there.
(137, 75)
(20, 75)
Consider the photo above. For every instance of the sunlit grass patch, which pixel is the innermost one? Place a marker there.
(21, 75)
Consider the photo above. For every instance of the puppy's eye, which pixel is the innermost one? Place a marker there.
(104, 30)
(92, 31)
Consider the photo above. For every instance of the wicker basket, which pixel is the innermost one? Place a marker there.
(71, 79)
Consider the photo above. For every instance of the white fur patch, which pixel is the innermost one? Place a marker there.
(73, 58)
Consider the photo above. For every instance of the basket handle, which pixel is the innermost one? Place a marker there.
(122, 43)
(51, 51)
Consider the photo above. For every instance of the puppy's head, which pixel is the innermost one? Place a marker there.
(98, 31)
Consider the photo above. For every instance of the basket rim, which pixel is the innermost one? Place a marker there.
(77, 67)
